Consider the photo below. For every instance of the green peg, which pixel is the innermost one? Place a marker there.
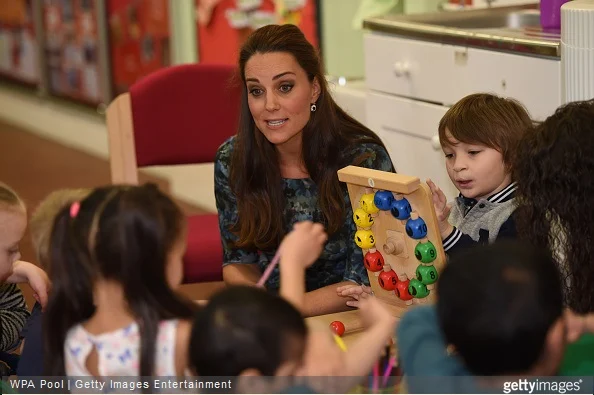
(417, 289)
(425, 252)
(427, 274)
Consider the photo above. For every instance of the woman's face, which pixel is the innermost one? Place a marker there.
(279, 96)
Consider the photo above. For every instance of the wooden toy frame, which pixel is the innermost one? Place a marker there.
(387, 229)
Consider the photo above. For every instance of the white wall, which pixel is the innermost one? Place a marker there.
(87, 132)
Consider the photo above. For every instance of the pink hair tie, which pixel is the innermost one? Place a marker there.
(74, 208)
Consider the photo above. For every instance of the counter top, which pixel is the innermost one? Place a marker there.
(510, 29)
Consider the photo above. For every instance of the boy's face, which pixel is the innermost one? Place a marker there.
(13, 223)
(476, 170)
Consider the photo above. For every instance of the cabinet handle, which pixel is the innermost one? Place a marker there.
(435, 143)
(401, 69)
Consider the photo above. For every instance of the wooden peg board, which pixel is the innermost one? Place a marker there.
(396, 247)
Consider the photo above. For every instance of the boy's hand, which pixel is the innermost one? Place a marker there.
(304, 244)
(442, 209)
(355, 291)
(36, 278)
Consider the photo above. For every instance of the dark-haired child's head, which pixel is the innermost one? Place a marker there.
(479, 135)
(501, 307)
(555, 174)
(247, 331)
(123, 234)
(125, 238)
(43, 218)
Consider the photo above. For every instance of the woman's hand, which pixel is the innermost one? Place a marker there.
(356, 292)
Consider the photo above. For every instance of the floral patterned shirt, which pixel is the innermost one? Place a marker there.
(341, 259)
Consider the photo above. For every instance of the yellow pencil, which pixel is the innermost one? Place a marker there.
(340, 342)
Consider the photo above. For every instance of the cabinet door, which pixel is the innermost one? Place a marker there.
(409, 130)
(444, 74)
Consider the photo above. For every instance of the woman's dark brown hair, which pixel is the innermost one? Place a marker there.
(255, 175)
(122, 234)
(555, 174)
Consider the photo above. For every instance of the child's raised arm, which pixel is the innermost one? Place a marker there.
(324, 357)
(25, 272)
(379, 327)
(299, 250)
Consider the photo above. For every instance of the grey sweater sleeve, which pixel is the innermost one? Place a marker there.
(13, 315)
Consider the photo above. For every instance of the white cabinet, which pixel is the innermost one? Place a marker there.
(444, 74)
(412, 83)
(409, 130)
(351, 97)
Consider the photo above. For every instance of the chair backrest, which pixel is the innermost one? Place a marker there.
(177, 115)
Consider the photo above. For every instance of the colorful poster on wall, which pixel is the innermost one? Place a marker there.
(223, 25)
(18, 43)
(71, 44)
(138, 39)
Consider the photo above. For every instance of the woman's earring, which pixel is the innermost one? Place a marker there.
(313, 107)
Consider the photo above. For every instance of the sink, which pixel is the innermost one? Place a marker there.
(517, 17)
(510, 29)
(493, 20)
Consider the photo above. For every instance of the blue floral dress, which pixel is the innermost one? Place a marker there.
(341, 259)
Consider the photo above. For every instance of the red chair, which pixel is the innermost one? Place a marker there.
(177, 115)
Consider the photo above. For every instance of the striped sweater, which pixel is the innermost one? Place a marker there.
(482, 221)
(13, 315)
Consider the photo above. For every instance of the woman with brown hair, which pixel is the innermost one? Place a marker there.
(281, 168)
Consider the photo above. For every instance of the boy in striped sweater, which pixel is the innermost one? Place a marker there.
(479, 136)
(13, 309)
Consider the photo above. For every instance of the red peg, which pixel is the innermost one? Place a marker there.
(374, 261)
(402, 290)
(337, 327)
(387, 278)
